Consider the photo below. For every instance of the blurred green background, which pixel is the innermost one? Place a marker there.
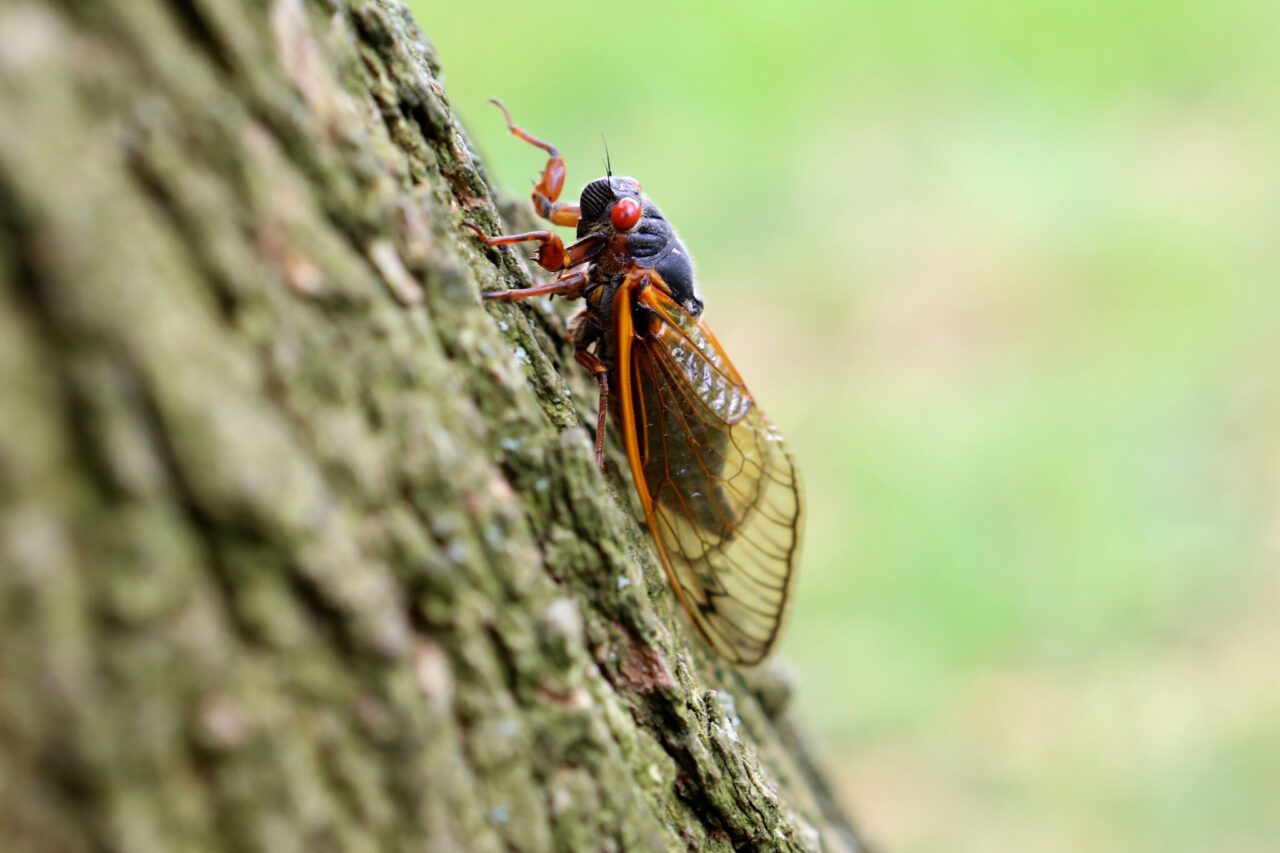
(1008, 277)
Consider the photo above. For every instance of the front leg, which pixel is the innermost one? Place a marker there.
(548, 188)
(551, 254)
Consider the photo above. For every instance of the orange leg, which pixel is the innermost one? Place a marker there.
(601, 373)
(570, 287)
(547, 190)
(551, 254)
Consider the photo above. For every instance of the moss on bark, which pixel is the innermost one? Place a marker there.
(302, 547)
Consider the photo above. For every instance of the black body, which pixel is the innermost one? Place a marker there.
(652, 243)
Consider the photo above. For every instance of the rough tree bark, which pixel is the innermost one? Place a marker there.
(302, 547)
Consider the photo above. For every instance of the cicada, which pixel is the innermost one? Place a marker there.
(718, 486)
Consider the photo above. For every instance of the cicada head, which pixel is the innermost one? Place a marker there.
(601, 196)
(616, 204)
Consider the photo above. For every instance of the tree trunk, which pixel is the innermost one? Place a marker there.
(302, 547)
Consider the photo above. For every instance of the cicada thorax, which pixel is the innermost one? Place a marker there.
(650, 244)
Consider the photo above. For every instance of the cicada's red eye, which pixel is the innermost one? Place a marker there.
(625, 215)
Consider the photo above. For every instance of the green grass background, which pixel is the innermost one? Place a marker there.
(1008, 277)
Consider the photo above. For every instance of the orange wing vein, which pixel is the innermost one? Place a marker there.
(720, 490)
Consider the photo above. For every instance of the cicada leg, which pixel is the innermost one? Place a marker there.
(547, 191)
(569, 286)
(601, 373)
(551, 254)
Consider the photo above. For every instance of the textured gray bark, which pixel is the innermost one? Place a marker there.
(302, 547)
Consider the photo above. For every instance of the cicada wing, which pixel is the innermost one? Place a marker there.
(723, 493)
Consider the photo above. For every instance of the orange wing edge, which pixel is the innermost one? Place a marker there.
(624, 331)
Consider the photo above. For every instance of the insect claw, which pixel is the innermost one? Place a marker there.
(506, 114)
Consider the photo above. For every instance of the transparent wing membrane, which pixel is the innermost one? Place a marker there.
(724, 492)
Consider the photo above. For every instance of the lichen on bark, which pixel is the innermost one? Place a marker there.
(303, 547)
